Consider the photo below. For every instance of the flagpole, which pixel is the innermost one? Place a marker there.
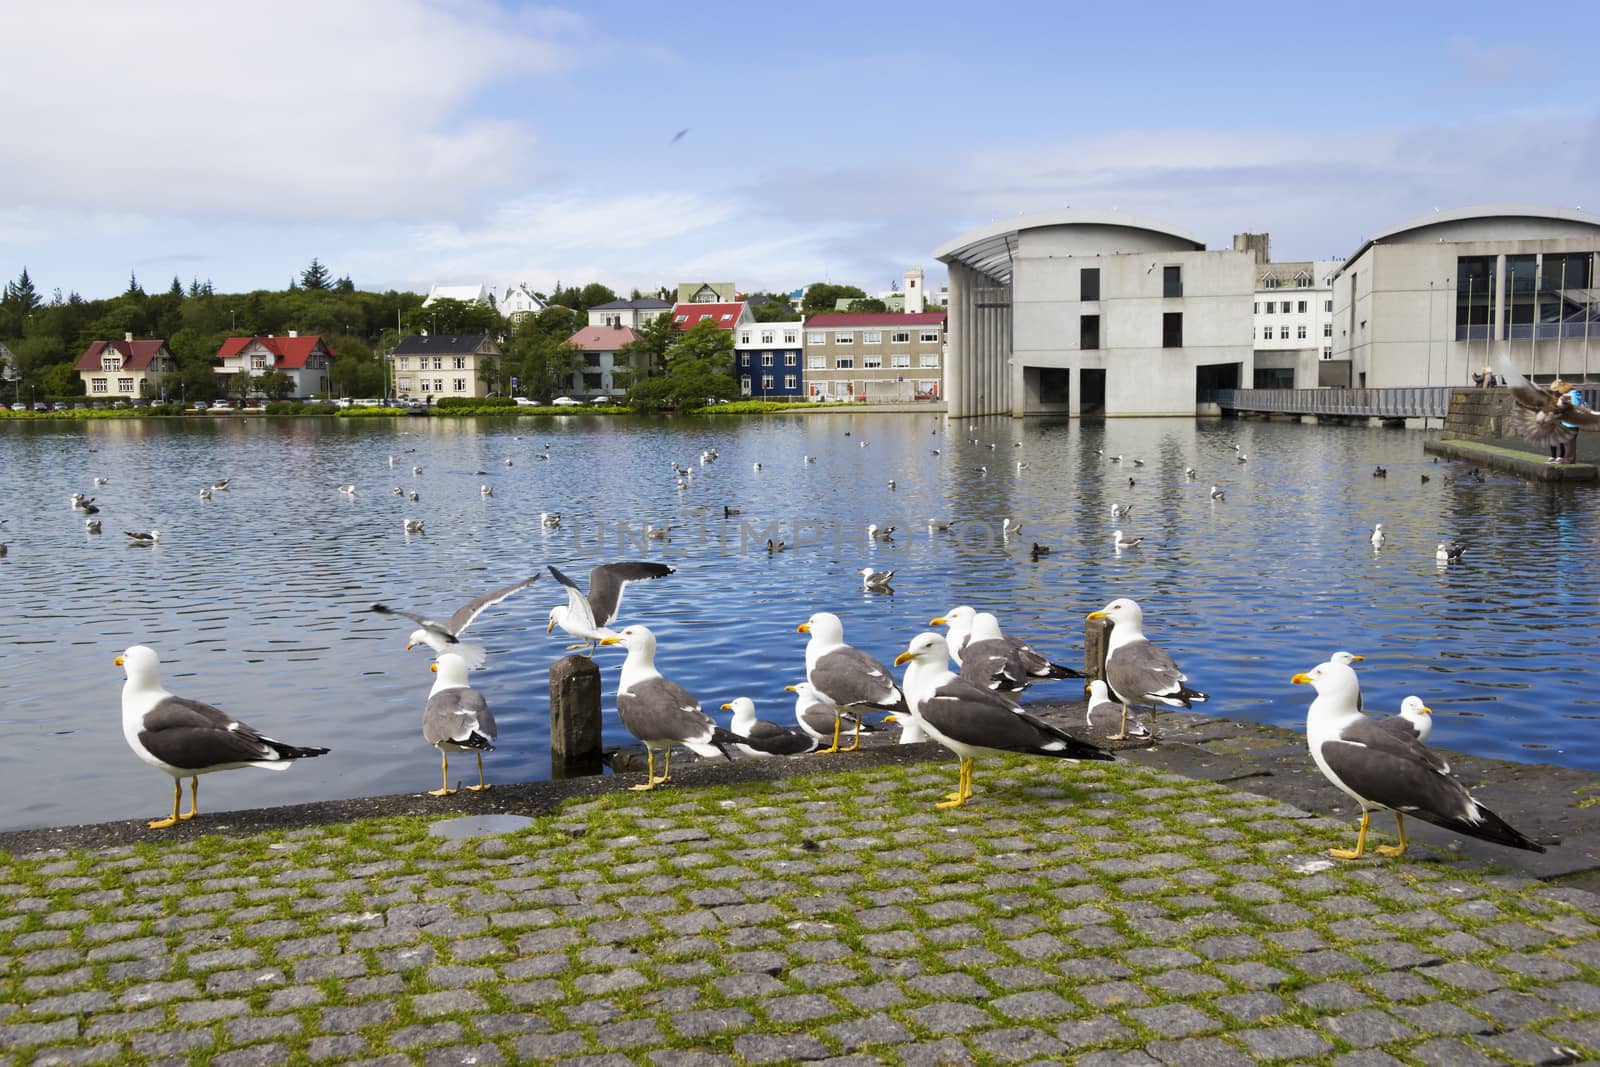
(1561, 313)
(1469, 328)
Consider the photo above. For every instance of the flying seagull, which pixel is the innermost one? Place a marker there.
(587, 617)
(456, 719)
(1385, 771)
(679, 135)
(186, 738)
(446, 636)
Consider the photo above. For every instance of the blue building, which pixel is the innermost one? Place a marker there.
(767, 360)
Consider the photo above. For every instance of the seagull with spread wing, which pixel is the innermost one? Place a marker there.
(446, 636)
(587, 617)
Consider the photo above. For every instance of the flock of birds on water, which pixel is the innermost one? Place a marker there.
(1381, 763)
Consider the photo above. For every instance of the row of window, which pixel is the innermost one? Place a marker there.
(870, 337)
(1301, 281)
(1172, 326)
(456, 362)
(1283, 332)
(1265, 307)
(790, 359)
(790, 381)
(898, 361)
(98, 385)
(431, 385)
(1089, 282)
(790, 337)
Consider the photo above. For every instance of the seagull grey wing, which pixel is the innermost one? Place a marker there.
(970, 714)
(1038, 665)
(459, 715)
(1139, 672)
(473, 608)
(1397, 725)
(422, 621)
(191, 735)
(774, 740)
(818, 718)
(849, 677)
(1540, 426)
(607, 580)
(991, 663)
(660, 710)
(1400, 737)
(1396, 772)
(578, 612)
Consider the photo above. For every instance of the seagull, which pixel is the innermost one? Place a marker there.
(1190, 472)
(1122, 542)
(1117, 458)
(814, 714)
(1385, 771)
(348, 490)
(808, 459)
(877, 533)
(1099, 700)
(1449, 553)
(143, 537)
(962, 620)
(1136, 670)
(485, 490)
(658, 712)
(876, 581)
(970, 720)
(1415, 720)
(1241, 457)
(1217, 493)
(1021, 466)
(981, 469)
(758, 737)
(416, 470)
(205, 492)
(756, 466)
(446, 636)
(891, 485)
(392, 461)
(658, 533)
(588, 616)
(413, 526)
(1378, 537)
(91, 525)
(186, 738)
(1119, 511)
(941, 525)
(397, 491)
(1008, 527)
(88, 508)
(101, 481)
(988, 659)
(456, 719)
(412, 496)
(846, 677)
(550, 520)
(221, 484)
(508, 461)
(1138, 463)
(77, 500)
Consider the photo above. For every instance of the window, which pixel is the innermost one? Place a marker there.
(791, 337)
(1171, 281)
(1089, 283)
(1271, 305)
(872, 362)
(458, 362)
(425, 384)
(458, 384)
(1302, 334)
(816, 363)
(1327, 352)
(124, 385)
(258, 362)
(816, 337)
(791, 381)
(403, 385)
(844, 363)
(872, 337)
(1327, 329)
(930, 337)
(681, 318)
(766, 337)
(1302, 280)
(1255, 309)
(766, 359)
(744, 337)
(111, 363)
(1301, 307)
(1172, 329)
(438, 385)
(405, 362)
(97, 385)
(844, 337)
(1327, 305)
(1283, 333)
(900, 337)
(766, 382)
(1266, 333)
(1269, 282)
(790, 359)
(438, 363)
(726, 316)
(900, 359)
(1088, 331)
(928, 359)
(744, 359)
(744, 386)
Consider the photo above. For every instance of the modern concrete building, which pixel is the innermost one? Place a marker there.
(1431, 300)
(1292, 314)
(432, 367)
(875, 356)
(767, 359)
(1093, 311)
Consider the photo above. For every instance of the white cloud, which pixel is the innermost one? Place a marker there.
(297, 110)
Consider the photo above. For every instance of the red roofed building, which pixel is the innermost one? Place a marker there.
(726, 316)
(306, 360)
(125, 368)
(599, 344)
(875, 356)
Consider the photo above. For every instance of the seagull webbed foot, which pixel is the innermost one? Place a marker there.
(162, 824)
(441, 792)
(1123, 736)
(956, 802)
(1391, 850)
(479, 788)
(1346, 853)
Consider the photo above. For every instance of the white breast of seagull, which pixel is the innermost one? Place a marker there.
(1334, 710)
(1126, 631)
(138, 697)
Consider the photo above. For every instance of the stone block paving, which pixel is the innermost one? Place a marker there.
(1090, 914)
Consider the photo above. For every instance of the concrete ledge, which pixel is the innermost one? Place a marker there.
(1527, 464)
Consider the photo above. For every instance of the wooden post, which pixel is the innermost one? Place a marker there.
(1096, 638)
(574, 717)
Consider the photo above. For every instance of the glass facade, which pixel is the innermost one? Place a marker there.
(1475, 285)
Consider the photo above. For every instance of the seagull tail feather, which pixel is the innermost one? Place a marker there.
(1190, 696)
(290, 752)
(1489, 827)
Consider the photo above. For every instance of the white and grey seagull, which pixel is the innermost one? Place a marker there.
(659, 712)
(456, 719)
(587, 617)
(1415, 719)
(846, 677)
(758, 737)
(1137, 672)
(816, 716)
(446, 636)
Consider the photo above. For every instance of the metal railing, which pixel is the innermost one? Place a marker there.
(1410, 402)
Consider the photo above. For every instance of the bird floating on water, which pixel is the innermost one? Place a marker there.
(1217, 493)
(1122, 542)
(1449, 552)
(91, 525)
(879, 533)
(1378, 537)
(413, 526)
(876, 581)
(143, 537)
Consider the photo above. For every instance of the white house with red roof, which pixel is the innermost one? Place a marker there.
(875, 356)
(306, 360)
(125, 369)
(726, 316)
(599, 344)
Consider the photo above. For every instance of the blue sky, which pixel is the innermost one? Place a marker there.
(406, 142)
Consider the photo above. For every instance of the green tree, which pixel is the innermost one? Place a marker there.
(540, 355)
(315, 276)
(645, 355)
(822, 296)
(59, 379)
(20, 295)
(134, 288)
(870, 304)
(772, 307)
(699, 369)
(274, 384)
(456, 318)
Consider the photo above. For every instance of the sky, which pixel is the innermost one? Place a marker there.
(410, 142)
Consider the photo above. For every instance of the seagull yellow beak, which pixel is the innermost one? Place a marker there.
(903, 658)
(551, 626)
(410, 645)
(727, 707)
(792, 688)
(611, 640)
(891, 718)
(117, 661)
(1094, 615)
(1358, 659)
(939, 621)
(1301, 679)
(433, 668)
(803, 628)
(1425, 710)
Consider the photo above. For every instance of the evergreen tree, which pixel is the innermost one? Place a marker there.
(20, 295)
(133, 285)
(177, 288)
(315, 276)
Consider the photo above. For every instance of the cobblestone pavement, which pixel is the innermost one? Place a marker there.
(1097, 914)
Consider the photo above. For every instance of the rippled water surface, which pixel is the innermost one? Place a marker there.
(256, 598)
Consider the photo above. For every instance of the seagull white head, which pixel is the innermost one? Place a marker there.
(744, 714)
(451, 669)
(925, 650)
(957, 618)
(1123, 613)
(985, 627)
(1414, 709)
(418, 637)
(636, 639)
(142, 666)
(1335, 681)
(1345, 658)
(824, 628)
(804, 695)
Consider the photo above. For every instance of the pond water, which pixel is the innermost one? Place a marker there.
(256, 599)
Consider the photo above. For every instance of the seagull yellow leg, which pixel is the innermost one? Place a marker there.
(1361, 842)
(172, 820)
(968, 787)
(1122, 733)
(666, 765)
(194, 798)
(963, 787)
(586, 645)
(856, 741)
(835, 746)
(1400, 849)
(480, 787)
(444, 789)
(649, 773)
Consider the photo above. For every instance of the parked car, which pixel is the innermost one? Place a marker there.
(119, 405)
(600, 400)
(80, 406)
(221, 405)
(99, 405)
(19, 407)
(41, 406)
(199, 405)
(60, 405)
(525, 402)
(566, 402)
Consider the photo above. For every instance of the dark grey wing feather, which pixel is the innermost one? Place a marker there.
(426, 623)
(473, 608)
(661, 710)
(1038, 665)
(191, 735)
(967, 712)
(607, 580)
(850, 678)
(461, 716)
(992, 664)
(774, 740)
(1141, 673)
(577, 603)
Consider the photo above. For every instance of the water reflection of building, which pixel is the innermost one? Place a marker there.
(1431, 300)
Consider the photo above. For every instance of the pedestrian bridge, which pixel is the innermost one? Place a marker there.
(1409, 402)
